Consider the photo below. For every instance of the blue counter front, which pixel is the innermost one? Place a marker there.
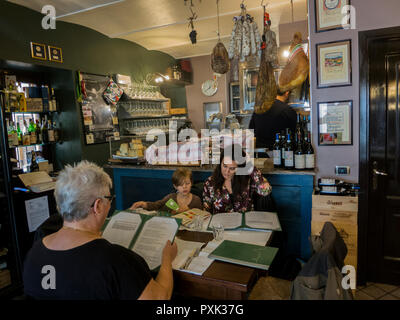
(291, 191)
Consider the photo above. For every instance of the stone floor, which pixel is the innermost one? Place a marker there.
(270, 288)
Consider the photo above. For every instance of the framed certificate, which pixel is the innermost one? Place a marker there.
(329, 15)
(335, 123)
(55, 54)
(334, 64)
(38, 51)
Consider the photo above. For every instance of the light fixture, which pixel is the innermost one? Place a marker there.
(286, 53)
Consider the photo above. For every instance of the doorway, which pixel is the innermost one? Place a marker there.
(379, 202)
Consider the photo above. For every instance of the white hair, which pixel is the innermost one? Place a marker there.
(78, 187)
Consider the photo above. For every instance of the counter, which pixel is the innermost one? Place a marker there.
(291, 191)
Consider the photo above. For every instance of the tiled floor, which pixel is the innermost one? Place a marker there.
(270, 288)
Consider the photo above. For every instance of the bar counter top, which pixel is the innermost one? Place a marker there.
(203, 168)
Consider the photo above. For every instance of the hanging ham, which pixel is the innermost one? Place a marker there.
(266, 85)
(297, 68)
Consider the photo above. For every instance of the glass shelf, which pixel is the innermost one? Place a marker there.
(34, 145)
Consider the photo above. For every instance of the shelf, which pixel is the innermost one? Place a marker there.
(174, 83)
(30, 112)
(32, 145)
(147, 117)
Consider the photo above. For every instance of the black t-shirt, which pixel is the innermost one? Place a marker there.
(276, 119)
(94, 270)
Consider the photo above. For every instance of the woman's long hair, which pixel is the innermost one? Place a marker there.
(239, 182)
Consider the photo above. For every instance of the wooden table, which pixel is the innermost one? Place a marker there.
(221, 281)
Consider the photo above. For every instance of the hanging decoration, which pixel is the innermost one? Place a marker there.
(193, 33)
(191, 2)
(219, 57)
(245, 38)
(266, 86)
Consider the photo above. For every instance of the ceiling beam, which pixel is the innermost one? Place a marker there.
(89, 9)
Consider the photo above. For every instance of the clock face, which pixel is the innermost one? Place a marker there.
(209, 87)
(332, 4)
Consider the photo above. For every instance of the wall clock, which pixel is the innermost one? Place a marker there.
(209, 87)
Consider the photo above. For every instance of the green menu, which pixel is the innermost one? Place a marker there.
(250, 255)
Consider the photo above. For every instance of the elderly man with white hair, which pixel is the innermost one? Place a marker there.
(76, 262)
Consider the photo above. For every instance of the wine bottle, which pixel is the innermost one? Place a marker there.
(19, 133)
(289, 153)
(283, 143)
(50, 131)
(32, 132)
(38, 132)
(26, 139)
(299, 156)
(56, 132)
(45, 132)
(34, 165)
(309, 152)
(277, 152)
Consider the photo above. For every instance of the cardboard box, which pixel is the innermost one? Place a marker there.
(34, 105)
(5, 278)
(335, 203)
(324, 215)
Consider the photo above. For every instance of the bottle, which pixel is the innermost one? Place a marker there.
(13, 135)
(34, 165)
(299, 156)
(283, 143)
(308, 124)
(53, 104)
(38, 130)
(26, 138)
(289, 153)
(277, 152)
(32, 132)
(309, 152)
(56, 132)
(19, 133)
(298, 125)
(50, 131)
(304, 128)
(45, 132)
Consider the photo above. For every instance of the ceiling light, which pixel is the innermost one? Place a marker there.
(286, 53)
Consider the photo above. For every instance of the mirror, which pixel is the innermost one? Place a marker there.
(248, 76)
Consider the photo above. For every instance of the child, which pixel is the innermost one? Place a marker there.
(182, 181)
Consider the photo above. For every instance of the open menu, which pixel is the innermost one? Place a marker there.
(146, 235)
(189, 215)
(251, 220)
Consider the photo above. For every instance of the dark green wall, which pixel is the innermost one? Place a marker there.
(83, 49)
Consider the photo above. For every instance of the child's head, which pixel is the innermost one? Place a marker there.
(182, 180)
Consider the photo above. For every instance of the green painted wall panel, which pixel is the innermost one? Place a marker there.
(83, 49)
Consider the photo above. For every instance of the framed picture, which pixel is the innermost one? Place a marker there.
(209, 109)
(329, 15)
(55, 54)
(334, 64)
(335, 123)
(38, 51)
